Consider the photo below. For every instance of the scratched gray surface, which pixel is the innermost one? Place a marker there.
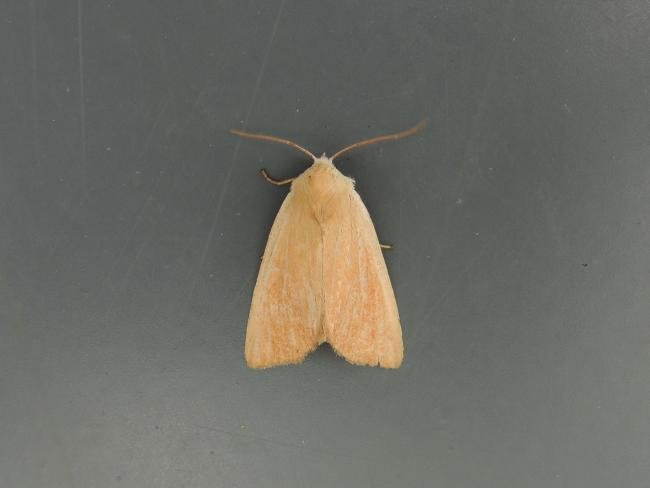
(131, 227)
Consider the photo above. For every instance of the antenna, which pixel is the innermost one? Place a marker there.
(388, 137)
(265, 137)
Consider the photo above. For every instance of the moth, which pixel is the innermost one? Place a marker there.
(323, 277)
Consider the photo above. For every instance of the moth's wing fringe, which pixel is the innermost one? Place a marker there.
(385, 364)
(288, 362)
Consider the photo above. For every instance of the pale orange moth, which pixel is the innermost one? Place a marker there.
(323, 277)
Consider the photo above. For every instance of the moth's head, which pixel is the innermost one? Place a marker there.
(323, 160)
(320, 171)
(320, 180)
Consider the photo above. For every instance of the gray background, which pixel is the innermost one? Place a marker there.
(132, 224)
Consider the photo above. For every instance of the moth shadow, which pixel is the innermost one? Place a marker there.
(325, 355)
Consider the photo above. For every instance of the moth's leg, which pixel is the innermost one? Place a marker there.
(273, 181)
(385, 246)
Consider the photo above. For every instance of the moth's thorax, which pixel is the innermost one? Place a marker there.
(320, 183)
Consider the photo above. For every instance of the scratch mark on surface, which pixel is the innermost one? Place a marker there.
(241, 435)
(381, 98)
(82, 99)
(21, 333)
(136, 258)
(447, 290)
(231, 165)
(400, 206)
(335, 453)
(473, 146)
(152, 131)
(140, 213)
(129, 238)
(195, 106)
(34, 81)
(398, 94)
(233, 301)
